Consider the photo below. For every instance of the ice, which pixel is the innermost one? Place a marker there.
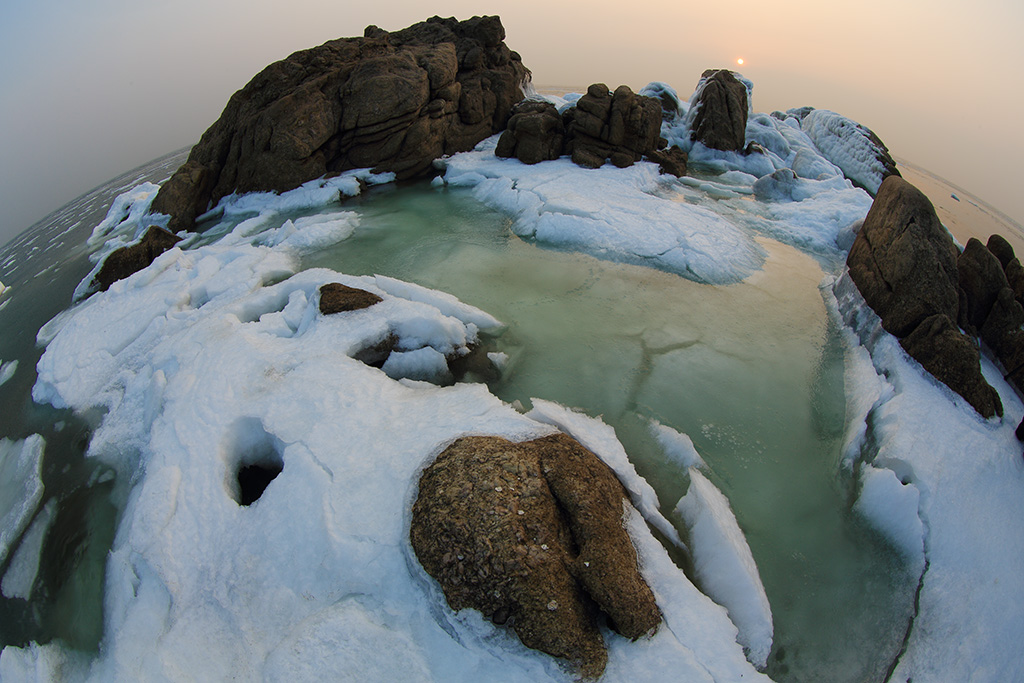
(891, 507)
(7, 371)
(724, 565)
(3, 288)
(923, 441)
(216, 357)
(21, 487)
(21, 574)
(848, 145)
(678, 447)
(610, 212)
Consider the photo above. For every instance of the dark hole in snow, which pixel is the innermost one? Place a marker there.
(254, 479)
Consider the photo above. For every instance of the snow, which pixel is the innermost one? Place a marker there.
(215, 357)
(7, 371)
(21, 487)
(609, 212)
(724, 565)
(923, 446)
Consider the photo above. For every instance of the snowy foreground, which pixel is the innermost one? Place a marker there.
(216, 357)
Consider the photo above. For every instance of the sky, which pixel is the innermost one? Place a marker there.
(91, 90)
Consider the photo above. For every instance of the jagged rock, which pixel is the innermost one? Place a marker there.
(954, 360)
(1001, 249)
(535, 133)
(981, 278)
(390, 101)
(720, 107)
(620, 127)
(532, 532)
(903, 261)
(337, 298)
(672, 160)
(127, 260)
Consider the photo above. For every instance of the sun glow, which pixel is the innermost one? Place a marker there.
(740, 61)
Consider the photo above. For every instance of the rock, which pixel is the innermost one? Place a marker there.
(535, 133)
(719, 110)
(981, 278)
(1004, 319)
(954, 360)
(621, 127)
(127, 260)
(389, 101)
(672, 160)
(1019, 433)
(778, 186)
(671, 107)
(532, 533)
(903, 261)
(1001, 249)
(854, 148)
(1015, 278)
(337, 298)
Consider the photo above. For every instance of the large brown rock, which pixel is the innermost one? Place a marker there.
(720, 111)
(954, 360)
(535, 133)
(127, 260)
(389, 101)
(981, 278)
(621, 127)
(903, 261)
(532, 533)
(338, 298)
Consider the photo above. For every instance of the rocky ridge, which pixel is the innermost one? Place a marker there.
(389, 101)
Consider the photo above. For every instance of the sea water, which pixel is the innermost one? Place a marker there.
(752, 372)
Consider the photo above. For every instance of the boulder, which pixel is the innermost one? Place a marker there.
(535, 133)
(621, 127)
(672, 160)
(388, 101)
(1001, 249)
(953, 359)
(531, 534)
(337, 298)
(981, 278)
(903, 260)
(1002, 325)
(122, 262)
(719, 110)
(1015, 278)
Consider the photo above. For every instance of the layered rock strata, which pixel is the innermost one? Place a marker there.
(389, 101)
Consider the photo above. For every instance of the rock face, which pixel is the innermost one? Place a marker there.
(338, 298)
(720, 106)
(621, 127)
(127, 260)
(903, 261)
(390, 101)
(981, 279)
(531, 533)
(535, 133)
(906, 267)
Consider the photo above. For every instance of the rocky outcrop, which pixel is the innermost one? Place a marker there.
(981, 279)
(905, 264)
(338, 298)
(720, 107)
(854, 148)
(620, 127)
(535, 133)
(672, 161)
(127, 260)
(530, 534)
(389, 101)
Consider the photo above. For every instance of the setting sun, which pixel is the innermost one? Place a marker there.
(740, 61)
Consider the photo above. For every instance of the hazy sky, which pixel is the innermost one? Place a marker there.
(93, 89)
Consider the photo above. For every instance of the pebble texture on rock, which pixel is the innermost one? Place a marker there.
(389, 101)
(531, 534)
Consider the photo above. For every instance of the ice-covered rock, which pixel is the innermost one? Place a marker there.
(122, 262)
(718, 112)
(855, 149)
(7, 371)
(724, 565)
